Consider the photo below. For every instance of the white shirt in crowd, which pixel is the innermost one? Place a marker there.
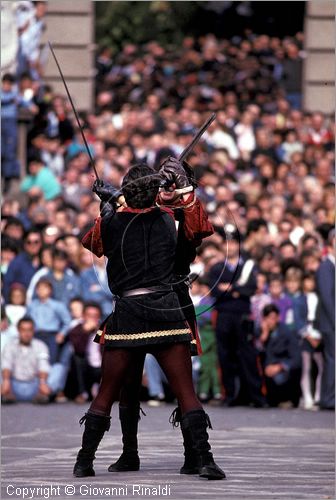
(25, 361)
(220, 139)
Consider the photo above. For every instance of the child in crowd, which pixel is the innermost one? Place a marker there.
(16, 308)
(76, 307)
(280, 299)
(51, 318)
(208, 382)
(311, 346)
(293, 283)
(260, 299)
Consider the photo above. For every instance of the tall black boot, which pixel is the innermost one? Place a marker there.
(129, 459)
(190, 465)
(195, 423)
(95, 427)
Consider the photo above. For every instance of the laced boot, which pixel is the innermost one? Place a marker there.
(195, 422)
(95, 427)
(190, 465)
(129, 459)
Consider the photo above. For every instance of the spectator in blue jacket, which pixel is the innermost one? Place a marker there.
(325, 281)
(281, 358)
(22, 268)
(232, 283)
(51, 318)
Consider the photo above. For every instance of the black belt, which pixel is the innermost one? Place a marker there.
(145, 291)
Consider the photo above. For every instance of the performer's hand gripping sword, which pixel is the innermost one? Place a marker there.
(166, 184)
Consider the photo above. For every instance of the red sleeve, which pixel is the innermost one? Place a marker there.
(196, 223)
(92, 239)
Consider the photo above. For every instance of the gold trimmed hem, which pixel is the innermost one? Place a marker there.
(145, 335)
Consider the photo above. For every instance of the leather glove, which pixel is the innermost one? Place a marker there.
(106, 192)
(190, 174)
(107, 208)
(172, 172)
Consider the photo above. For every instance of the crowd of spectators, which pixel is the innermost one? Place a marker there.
(265, 177)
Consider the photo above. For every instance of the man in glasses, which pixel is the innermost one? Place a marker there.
(25, 264)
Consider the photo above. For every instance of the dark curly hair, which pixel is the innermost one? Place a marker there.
(140, 186)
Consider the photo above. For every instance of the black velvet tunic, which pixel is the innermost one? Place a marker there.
(140, 247)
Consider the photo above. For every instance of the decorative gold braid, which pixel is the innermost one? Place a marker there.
(146, 335)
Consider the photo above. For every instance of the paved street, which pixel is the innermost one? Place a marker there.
(266, 454)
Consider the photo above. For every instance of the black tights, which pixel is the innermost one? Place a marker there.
(119, 364)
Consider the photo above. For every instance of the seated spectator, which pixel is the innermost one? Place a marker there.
(16, 307)
(281, 358)
(94, 286)
(87, 355)
(51, 318)
(26, 381)
(23, 267)
(40, 180)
